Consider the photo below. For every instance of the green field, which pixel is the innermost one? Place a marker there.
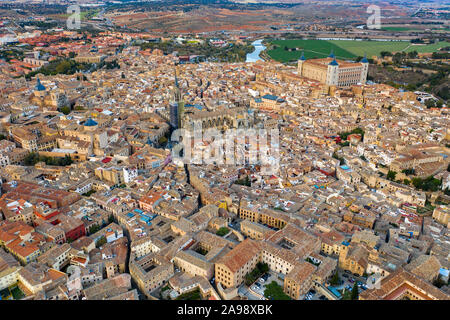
(371, 48)
(399, 29)
(312, 49)
(428, 47)
(343, 49)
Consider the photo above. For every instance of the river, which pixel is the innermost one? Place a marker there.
(254, 56)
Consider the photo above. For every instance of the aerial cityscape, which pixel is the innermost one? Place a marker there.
(224, 150)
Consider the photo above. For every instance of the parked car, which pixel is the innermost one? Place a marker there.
(345, 275)
(261, 280)
(351, 280)
(258, 285)
(322, 297)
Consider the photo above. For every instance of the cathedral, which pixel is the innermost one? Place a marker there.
(47, 100)
(189, 116)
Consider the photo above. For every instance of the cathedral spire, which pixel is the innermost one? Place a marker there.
(303, 56)
(332, 54)
(176, 77)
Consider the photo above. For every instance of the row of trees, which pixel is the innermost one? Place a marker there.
(32, 158)
(428, 184)
(234, 52)
(69, 66)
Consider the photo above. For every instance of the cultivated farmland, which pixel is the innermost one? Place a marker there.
(343, 49)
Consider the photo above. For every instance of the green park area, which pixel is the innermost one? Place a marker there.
(275, 292)
(290, 50)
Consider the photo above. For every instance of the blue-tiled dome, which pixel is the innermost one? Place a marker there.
(334, 63)
(331, 54)
(90, 123)
(303, 56)
(364, 60)
(39, 86)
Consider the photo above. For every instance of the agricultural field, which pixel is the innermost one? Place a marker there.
(428, 47)
(371, 48)
(399, 29)
(343, 49)
(312, 49)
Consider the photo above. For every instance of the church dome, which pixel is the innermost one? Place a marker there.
(334, 63)
(364, 60)
(303, 56)
(90, 123)
(39, 86)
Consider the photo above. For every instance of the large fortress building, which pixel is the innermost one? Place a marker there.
(334, 72)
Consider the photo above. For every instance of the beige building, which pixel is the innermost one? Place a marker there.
(404, 285)
(442, 215)
(194, 264)
(9, 268)
(150, 272)
(90, 58)
(231, 269)
(299, 280)
(354, 258)
(254, 230)
(334, 72)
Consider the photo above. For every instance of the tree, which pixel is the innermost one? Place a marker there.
(391, 175)
(430, 103)
(412, 54)
(100, 242)
(262, 267)
(408, 172)
(335, 280)
(427, 184)
(65, 110)
(93, 229)
(222, 231)
(355, 293)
